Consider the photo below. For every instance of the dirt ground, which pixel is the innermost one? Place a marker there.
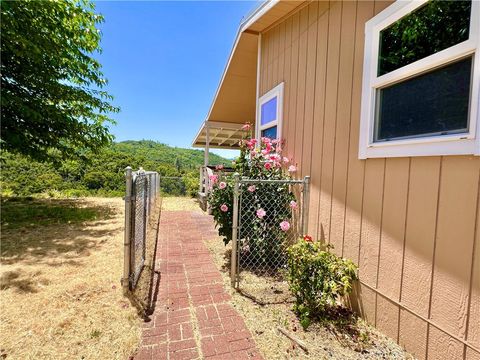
(266, 305)
(60, 288)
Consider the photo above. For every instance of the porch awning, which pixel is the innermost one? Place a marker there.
(235, 100)
(221, 135)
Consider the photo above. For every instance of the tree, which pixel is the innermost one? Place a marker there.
(51, 87)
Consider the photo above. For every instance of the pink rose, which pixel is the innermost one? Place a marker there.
(292, 169)
(285, 225)
(222, 185)
(265, 152)
(293, 205)
(285, 160)
(219, 167)
(224, 208)
(252, 188)
(275, 157)
(261, 213)
(267, 166)
(246, 127)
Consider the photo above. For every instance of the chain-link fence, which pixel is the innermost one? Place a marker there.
(141, 198)
(269, 216)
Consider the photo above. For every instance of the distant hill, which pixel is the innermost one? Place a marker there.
(103, 173)
(188, 159)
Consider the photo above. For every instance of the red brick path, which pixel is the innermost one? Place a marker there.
(193, 318)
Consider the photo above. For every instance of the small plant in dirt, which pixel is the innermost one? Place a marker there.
(317, 278)
(267, 208)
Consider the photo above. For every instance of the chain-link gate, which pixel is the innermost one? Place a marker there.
(142, 189)
(269, 216)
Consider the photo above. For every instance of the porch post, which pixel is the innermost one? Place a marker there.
(207, 142)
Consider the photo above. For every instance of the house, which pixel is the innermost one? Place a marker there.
(378, 102)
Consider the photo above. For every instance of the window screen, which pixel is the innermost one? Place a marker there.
(436, 102)
(435, 26)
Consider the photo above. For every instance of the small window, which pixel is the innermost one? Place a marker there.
(269, 113)
(419, 95)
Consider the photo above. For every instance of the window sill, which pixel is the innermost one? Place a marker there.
(420, 148)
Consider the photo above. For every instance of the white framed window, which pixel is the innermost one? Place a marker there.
(270, 114)
(421, 80)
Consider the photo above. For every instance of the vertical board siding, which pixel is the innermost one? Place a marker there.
(356, 168)
(371, 220)
(420, 233)
(397, 171)
(306, 143)
(474, 318)
(326, 164)
(413, 334)
(342, 129)
(301, 80)
(292, 99)
(287, 86)
(454, 243)
(318, 114)
(412, 224)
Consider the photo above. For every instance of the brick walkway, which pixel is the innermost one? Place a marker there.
(193, 318)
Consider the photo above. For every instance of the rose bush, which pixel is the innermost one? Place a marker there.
(266, 208)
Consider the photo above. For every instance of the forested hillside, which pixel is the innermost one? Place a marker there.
(103, 173)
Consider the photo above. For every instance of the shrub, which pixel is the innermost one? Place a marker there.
(266, 208)
(317, 278)
(191, 183)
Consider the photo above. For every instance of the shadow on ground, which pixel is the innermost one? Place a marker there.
(53, 232)
(144, 295)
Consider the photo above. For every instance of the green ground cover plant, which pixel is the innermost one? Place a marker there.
(317, 278)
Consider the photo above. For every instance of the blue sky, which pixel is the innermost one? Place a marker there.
(163, 61)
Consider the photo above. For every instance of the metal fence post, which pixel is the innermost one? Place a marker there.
(305, 205)
(233, 268)
(128, 229)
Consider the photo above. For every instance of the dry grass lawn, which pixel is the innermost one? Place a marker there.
(60, 291)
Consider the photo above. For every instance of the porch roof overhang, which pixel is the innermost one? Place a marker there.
(235, 99)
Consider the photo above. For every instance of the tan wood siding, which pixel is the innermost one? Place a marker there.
(412, 224)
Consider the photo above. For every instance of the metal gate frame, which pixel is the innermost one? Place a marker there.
(142, 189)
(238, 182)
